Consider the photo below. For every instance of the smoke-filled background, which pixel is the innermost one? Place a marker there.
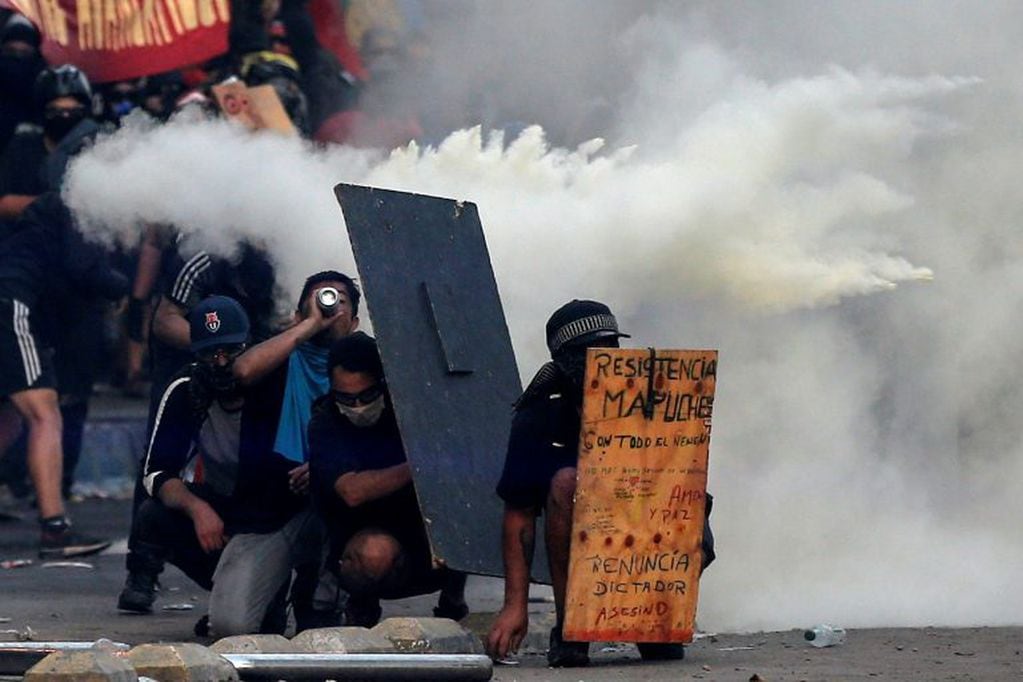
(779, 181)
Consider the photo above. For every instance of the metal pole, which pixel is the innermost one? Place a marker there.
(363, 666)
(18, 657)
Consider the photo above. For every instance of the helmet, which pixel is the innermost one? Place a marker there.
(282, 73)
(259, 68)
(62, 81)
(578, 323)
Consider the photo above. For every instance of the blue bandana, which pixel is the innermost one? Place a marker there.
(307, 381)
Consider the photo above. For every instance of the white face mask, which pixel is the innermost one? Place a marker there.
(363, 415)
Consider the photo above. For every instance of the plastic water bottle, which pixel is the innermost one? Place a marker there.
(824, 635)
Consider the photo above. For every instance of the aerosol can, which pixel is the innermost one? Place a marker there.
(328, 298)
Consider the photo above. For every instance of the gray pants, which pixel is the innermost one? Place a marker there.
(255, 567)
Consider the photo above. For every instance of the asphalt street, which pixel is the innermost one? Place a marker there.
(78, 603)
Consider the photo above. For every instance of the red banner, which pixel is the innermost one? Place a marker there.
(113, 40)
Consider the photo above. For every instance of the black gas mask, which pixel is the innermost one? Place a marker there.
(216, 370)
(58, 122)
(571, 362)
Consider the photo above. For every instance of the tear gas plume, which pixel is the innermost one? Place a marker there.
(753, 199)
(730, 213)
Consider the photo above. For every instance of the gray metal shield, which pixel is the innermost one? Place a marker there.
(450, 367)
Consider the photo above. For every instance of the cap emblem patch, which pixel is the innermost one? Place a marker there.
(212, 321)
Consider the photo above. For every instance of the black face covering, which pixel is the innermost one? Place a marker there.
(57, 124)
(218, 382)
(572, 363)
(17, 74)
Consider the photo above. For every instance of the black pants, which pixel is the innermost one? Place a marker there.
(161, 534)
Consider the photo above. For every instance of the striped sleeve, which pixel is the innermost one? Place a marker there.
(188, 288)
(172, 439)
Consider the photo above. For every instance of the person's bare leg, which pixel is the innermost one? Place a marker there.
(560, 501)
(559, 533)
(40, 409)
(367, 561)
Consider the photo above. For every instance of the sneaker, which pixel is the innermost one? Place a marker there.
(139, 593)
(562, 654)
(661, 651)
(64, 543)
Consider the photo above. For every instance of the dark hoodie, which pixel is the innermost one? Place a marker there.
(17, 76)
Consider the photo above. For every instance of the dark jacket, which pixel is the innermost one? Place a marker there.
(262, 501)
(545, 438)
(47, 257)
(337, 447)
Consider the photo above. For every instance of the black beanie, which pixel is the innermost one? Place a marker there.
(578, 322)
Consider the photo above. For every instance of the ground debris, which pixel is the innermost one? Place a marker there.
(26, 635)
(15, 563)
(615, 648)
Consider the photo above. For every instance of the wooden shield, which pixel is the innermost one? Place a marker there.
(640, 497)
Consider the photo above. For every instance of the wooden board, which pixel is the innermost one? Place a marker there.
(642, 479)
(257, 108)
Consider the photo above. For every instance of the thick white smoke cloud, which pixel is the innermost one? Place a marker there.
(772, 206)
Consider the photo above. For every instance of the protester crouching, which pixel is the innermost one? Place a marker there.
(540, 476)
(243, 524)
(362, 487)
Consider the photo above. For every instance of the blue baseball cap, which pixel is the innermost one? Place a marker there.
(217, 321)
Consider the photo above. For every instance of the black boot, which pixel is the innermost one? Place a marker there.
(661, 651)
(562, 654)
(145, 563)
(451, 603)
(139, 592)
